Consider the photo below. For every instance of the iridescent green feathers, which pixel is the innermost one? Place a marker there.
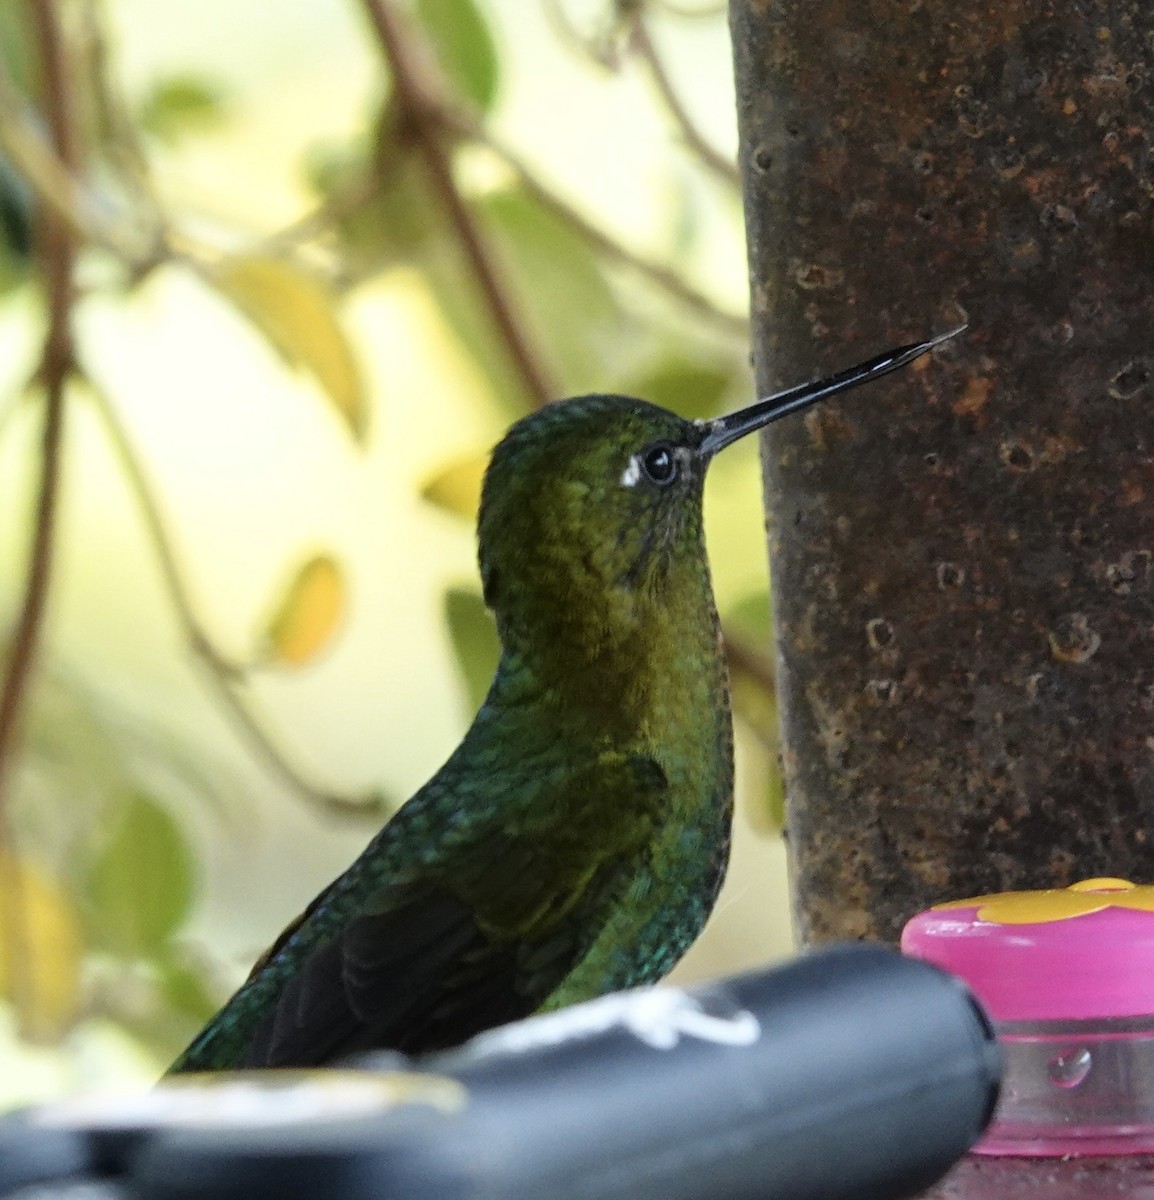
(575, 841)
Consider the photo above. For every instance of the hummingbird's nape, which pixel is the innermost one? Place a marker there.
(724, 430)
(575, 841)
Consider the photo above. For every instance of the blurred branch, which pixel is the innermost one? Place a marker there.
(603, 45)
(627, 33)
(642, 45)
(421, 112)
(466, 125)
(125, 150)
(687, 12)
(55, 185)
(320, 221)
(662, 276)
(57, 257)
(138, 235)
(222, 675)
(442, 121)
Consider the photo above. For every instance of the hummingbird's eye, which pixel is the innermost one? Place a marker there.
(659, 464)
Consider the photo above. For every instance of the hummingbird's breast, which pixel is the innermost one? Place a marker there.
(681, 705)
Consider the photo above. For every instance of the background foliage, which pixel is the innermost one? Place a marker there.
(270, 293)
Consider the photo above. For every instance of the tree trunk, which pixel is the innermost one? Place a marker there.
(962, 555)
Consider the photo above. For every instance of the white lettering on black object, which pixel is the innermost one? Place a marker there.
(659, 1017)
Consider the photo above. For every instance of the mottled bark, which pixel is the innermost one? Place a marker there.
(962, 556)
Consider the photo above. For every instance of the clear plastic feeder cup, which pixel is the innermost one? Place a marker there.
(1067, 976)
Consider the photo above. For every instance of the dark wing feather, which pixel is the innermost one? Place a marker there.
(379, 983)
(478, 938)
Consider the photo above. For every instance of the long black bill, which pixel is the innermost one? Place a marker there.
(725, 430)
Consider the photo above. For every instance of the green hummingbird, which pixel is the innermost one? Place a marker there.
(576, 840)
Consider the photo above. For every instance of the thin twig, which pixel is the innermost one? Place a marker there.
(419, 112)
(465, 125)
(662, 276)
(125, 150)
(320, 220)
(57, 257)
(220, 673)
(642, 44)
(57, 254)
(600, 47)
(629, 31)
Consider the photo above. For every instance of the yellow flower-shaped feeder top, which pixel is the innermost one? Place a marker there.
(1058, 904)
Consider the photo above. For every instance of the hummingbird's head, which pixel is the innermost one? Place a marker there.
(591, 510)
(588, 502)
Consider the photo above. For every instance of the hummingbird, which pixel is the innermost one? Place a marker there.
(575, 841)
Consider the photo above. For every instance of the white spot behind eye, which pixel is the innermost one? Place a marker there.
(632, 473)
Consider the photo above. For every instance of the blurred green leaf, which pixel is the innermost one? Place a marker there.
(18, 50)
(752, 618)
(692, 388)
(183, 988)
(182, 104)
(378, 190)
(20, 60)
(15, 214)
(474, 636)
(559, 285)
(464, 46)
(140, 888)
(756, 708)
(466, 317)
(749, 640)
(754, 702)
(775, 797)
(557, 288)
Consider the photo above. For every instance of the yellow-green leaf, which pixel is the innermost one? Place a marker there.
(297, 313)
(41, 946)
(775, 799)
(18, 48)
(182, 103)
(692, 388)
(183, 985)
(551, 274)
(475, 640)
(457, 489)
(464, 47)
(752, 618)
(140, 888)
(308, 615)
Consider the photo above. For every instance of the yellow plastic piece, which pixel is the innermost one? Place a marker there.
(1058, 904)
